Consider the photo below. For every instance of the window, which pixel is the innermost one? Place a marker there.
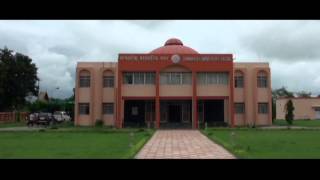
(107, 108)
(202, 78)
(263, 108)
(108, 81)
(134, 111)
(175, 78)
(186, 78)
(84, 81)
(262, 80)
(164, 78)
(84, 108)
(238, 81)
(239, 108)
(150, 78)
(128, 78)
(213, 78)
(139, 78)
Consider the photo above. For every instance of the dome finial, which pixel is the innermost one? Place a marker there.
(173, 41)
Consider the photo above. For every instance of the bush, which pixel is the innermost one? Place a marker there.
(289, 112)
(99, 123)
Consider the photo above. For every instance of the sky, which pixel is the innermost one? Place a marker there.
(292, 48)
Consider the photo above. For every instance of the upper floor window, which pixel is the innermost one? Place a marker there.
(262, 79)
(84, 81)
(238, 79)
(128, 78)
(263, 108)
(139, 78)
(150, 78)
(84, 108)
(175, 78)
(108, 81)
(213, 78)
(84, 78)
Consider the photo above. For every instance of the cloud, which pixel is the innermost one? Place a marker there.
(296, 76)
(150, 24)
(57, 46)
(286, 40)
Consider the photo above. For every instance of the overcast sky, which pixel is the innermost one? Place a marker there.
(291, 47)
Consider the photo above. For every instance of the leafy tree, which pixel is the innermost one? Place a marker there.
(18, 78)
(289, 112)
(304, 94)
(282, 92)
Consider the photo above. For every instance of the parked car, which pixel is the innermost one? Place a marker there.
(61, 116)
(41, 118)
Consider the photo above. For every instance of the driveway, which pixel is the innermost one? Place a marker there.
(182, 144)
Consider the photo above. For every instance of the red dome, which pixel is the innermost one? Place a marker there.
(174, 46)
(173, 41)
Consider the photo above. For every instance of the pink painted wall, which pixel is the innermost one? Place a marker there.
(304, 108)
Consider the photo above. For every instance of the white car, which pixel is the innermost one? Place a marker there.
(61, 116)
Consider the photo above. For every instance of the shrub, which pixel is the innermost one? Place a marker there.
(289, 112)
(99, 123)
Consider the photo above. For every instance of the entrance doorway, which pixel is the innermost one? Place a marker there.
(318, 114)
(211, 112)
(175, 114)
(139, 113)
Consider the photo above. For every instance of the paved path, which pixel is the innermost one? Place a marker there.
(182, 144)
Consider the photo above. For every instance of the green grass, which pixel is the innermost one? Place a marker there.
(261, 144)
(79, 143)
(12, 124)
(301, 123)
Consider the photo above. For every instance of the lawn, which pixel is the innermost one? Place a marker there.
(79, 143)
(12, 124)
(262, 144)
(301, 123)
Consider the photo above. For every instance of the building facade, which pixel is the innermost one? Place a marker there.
(173, 86)
(304, 108)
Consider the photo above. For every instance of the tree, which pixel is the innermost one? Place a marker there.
(281, 92)
(304, 94)
(18, 78)
(289, 112)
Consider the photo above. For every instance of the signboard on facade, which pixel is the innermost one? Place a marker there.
(176, 58)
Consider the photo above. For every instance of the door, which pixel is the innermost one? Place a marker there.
(175, 113)
(317, 114)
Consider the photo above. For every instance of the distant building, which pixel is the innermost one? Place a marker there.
(173, 84)
(304, 108)
(43, 97)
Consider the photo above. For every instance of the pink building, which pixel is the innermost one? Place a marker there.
(305, 108)
(173, 86)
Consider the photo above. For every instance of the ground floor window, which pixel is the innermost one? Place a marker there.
(263, 108)
(239, 108)
(107, 108)
(84, 108)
